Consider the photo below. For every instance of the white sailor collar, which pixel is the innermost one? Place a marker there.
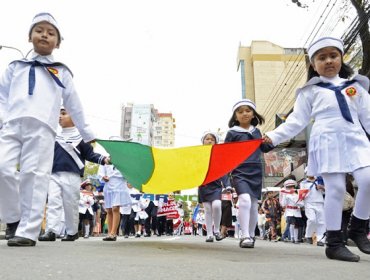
(362, 80)
(237, 128)
(42, 58)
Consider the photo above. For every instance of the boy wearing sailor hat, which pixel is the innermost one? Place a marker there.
(33, 90)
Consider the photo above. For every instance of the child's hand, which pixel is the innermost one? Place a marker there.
(107, 160)
(106, 178)
(266, 139)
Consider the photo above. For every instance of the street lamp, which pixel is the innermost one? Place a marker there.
(18, 50)
(12, 48)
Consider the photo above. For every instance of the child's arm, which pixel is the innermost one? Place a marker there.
(72, 103)
(87, 152)
(295, 123)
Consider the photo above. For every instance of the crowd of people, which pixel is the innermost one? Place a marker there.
(42, 165)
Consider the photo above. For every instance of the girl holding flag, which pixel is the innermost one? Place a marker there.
(247, 177)
(338, 143)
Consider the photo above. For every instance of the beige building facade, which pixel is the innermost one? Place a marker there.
(270, 74)
(164, 130)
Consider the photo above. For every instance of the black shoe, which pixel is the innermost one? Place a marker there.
(320, 243)
(209, 239)
(219, 236)
(110, 238)
(49, 236)
(357, 233)
(18, 241)
(335, 248)
(70, 237)
(10, 230)
(309, 240)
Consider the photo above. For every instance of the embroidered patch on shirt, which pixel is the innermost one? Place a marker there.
(53, 70)
(351, 91)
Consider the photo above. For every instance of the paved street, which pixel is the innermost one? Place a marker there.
(178, 257)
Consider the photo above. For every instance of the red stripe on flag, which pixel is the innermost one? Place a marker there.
(225, 157)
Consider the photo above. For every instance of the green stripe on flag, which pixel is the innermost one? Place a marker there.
(134, 160)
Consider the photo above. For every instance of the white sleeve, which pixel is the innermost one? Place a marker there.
(72, 103)
(363, 107)
(296, 121)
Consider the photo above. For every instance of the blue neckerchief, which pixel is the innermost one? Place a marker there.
(32, 76)
(343, 106)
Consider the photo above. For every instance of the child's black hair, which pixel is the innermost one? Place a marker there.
(345, 71)
(257, 119)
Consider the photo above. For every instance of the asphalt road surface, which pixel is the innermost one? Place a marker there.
(174, 257)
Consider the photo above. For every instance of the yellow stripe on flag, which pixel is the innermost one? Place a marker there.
(181, 168)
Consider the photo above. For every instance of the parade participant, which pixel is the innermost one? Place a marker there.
(272, 208)
(85, 208)
(70, 153)
(314, 208)
(210, 196)
(138, 206)
(247, 177)
(289, 199)
(151, 221)
(228, 201)
(116, 194)
(338, 142)
(33, 91)
(261, 223)
(127, 213)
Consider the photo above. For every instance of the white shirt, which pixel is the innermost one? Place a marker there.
(44, 105)
(335, 144)
(314, 195)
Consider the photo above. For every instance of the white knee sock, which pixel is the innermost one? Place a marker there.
(253, 217)
(362, 204)
(245, 204)
(335, 187)
(216, 214)
(208, 217)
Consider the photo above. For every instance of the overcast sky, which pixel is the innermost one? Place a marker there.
(179, 56)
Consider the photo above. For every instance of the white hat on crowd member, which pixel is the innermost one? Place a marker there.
(323, 43)
(45, 17)
(290, 183)
(244, 102)
(217, 139)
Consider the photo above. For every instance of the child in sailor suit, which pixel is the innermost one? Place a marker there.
(314, 209)
(70, 153)
(340, 106)
(116, 194)
(289, 199)
(33, 91)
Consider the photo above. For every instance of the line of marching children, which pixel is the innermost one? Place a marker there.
(33, 164)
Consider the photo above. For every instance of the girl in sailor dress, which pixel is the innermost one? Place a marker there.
(289, 199)
(85, 204)
(247, 177)
(116, 194)
(338, 143)
(210, 196)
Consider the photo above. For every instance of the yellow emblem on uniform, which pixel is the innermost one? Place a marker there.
(351, 91)
(53, 70)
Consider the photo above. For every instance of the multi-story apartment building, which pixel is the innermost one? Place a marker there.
(164, 130)
(137, 123)
(142, 123)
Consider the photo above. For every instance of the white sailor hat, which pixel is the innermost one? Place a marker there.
(290, 183)
(217, 139)
(47, 17)
(323, 43)
(244, 102)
